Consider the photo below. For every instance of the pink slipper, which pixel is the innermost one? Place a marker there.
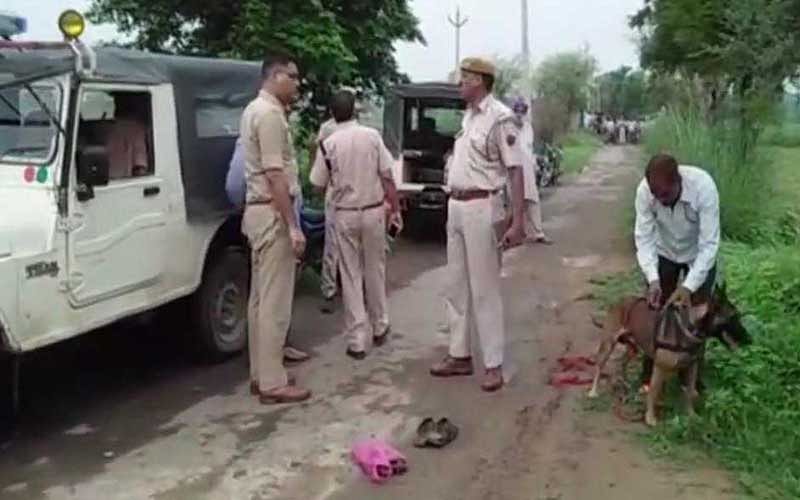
(378, 460)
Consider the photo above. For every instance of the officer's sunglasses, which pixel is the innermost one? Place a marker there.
(292, 75)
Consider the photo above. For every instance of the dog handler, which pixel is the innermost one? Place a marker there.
(677, 231)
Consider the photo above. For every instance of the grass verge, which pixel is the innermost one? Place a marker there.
(579, 147)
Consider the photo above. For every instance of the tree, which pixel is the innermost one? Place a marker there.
(566, 77)
(335, 41)
(740, 48)
(510, 76)
(622, 92)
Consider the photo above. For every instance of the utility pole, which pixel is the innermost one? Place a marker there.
(458, 23)
(526, 48)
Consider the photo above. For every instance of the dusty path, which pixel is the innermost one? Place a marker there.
(529, 441)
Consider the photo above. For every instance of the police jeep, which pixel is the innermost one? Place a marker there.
(81, 248)
(420, 122)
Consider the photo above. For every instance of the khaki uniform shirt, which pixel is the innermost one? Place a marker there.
(327, 128)
(488, 144)
(267, 146)
(359, 160)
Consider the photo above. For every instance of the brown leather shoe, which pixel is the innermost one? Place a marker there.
(294, 355)
(493, 380)
(285, 394)
(254, 390)
(452, 367)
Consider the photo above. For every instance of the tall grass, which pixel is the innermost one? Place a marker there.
(750, 211)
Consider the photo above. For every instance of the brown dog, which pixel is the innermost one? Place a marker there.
(634, 323)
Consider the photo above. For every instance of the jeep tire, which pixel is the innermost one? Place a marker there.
(219, 307)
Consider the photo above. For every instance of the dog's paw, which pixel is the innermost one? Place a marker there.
(592, 394)
(650, 420)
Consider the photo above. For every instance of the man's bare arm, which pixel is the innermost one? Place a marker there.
(392, 197)
(517, 196)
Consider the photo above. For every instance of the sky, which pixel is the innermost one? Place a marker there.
(493, 28)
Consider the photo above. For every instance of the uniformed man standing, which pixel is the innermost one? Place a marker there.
(330, 255)
(271, 226)
(356, 167)
(486, 152)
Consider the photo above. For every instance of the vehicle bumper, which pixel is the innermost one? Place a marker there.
(429, 198)
(8, 307)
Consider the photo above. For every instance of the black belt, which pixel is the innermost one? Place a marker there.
(266, 202)
(359, 209)
(471, 194)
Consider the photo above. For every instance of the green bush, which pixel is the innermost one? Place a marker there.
(751, 411)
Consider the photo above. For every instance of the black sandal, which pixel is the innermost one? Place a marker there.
(431, 434)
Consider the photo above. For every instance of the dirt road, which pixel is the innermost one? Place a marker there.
(142, 422)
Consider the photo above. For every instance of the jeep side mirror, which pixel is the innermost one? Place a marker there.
(93, 170)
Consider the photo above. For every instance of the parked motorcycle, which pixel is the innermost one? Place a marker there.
(549, 161)
(312, 223)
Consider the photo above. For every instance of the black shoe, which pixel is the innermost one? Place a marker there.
(379, 340)
(327, 307)
(357, 355)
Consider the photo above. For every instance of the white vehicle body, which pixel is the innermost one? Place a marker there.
(75, 256)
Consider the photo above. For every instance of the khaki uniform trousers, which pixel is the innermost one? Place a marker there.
(472, 297)
(330, 255)
(271, 294)
(533, 216)
(361, 237)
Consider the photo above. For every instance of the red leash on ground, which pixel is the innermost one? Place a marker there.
(565, 376)
(569, 374)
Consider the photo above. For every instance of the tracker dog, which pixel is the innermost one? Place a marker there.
(674, 338)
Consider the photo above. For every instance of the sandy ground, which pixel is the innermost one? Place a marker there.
(125, 414)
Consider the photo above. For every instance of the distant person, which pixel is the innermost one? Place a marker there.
(127, 139)
(534, 230)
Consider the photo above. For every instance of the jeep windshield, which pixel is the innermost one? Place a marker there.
(31, 100)
(29, 115)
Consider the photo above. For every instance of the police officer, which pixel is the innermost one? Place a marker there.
(355, 166)
(330, 254)
(487, 150)
(271, 226)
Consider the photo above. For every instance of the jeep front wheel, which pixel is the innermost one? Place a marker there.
(220, 305)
